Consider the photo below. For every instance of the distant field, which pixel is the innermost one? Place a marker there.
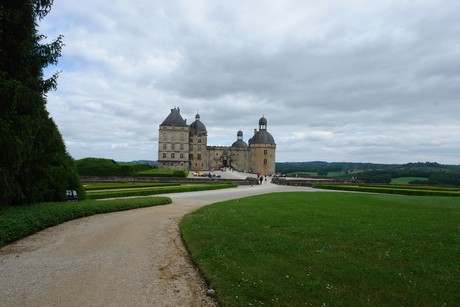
(334, 249)
(407, 180)
(336, 174)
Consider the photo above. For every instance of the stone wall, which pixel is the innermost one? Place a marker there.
(312, 181)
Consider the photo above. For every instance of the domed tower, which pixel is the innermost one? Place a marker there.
(262, 149)
(198, 144)
(239, 153)
(239, 143)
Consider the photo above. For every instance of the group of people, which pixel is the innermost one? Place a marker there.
(261, 178)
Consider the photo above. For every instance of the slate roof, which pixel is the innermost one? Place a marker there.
(197, 125)
(174, 119)
(240, 144)
(262, 137)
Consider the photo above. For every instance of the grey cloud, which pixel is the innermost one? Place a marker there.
(336, 81)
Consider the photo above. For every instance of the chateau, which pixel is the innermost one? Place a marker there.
(185, 147)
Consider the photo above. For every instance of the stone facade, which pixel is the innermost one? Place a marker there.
(184, 147)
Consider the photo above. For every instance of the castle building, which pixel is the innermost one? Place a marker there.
(185, 147)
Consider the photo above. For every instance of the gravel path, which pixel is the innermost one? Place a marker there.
(130, 258)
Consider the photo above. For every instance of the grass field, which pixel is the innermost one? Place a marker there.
(407, 180)
(322, 249)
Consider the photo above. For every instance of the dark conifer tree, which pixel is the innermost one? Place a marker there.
(34, 163)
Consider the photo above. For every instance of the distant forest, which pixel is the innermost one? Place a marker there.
(430, 173)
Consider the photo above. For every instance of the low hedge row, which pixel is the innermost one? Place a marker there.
(159, 190)
(373, 189)
(162, 173)
(112, 186)
(20, 221)
(415, 187)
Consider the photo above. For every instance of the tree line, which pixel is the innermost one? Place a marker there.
(435, 173)
(34, 163)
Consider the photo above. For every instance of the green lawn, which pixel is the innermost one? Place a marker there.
(402, 189)
(407, 180)
(344, 249)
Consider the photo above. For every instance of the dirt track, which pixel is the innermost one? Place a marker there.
(130, 258)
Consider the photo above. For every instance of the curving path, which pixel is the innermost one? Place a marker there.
(130, 258)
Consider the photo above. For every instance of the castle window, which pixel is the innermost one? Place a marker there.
(173, 137)
(173, 146)
(190, 156)
(199, 140)
(164, 146)
(181, 146)
(199, 157)
(265, 161)
(199, 147)
(164, 136)
(173, 156)
(265, 152)
(181, 155)
(164, 155)
(182, 137)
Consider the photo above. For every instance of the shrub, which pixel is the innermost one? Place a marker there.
(18, 222)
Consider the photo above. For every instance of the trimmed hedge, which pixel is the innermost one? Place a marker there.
(389, 190)
(415, 187)
(21, 221)
(162, 173)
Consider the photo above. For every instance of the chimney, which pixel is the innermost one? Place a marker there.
(255, 131)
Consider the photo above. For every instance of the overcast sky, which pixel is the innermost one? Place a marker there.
(358, 81)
